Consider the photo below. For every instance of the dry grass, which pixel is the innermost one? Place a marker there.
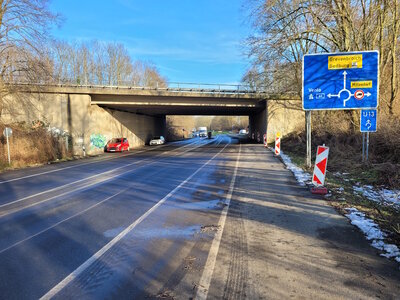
(30, 147)
(345, 153)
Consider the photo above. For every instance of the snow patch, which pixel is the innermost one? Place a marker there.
(383, 196)
(357, 218)
(339, 190)
(301, 176)
(373, 233)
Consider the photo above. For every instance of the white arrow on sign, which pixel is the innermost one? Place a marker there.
(331, 95)
(368, 94)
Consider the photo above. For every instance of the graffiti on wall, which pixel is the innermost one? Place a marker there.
(98, 140)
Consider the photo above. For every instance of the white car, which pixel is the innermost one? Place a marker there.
(243, 131)
(157, 140)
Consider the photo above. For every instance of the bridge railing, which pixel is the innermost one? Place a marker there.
(214, 88)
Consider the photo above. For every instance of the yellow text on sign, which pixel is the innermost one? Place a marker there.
(361, 84)
(345, 62)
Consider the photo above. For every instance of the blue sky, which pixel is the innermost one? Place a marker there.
(189, 41)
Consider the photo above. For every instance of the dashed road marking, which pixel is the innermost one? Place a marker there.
(81, 180)
(56, 289)
(84, 164)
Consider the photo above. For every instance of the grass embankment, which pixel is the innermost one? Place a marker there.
(345, 170)
(30, 146)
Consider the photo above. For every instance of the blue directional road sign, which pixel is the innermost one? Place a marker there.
(368, 120)
(341, 80)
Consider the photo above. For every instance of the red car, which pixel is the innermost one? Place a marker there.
(117, 145)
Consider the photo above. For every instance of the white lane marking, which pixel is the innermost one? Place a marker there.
(204, 284)
(88, 163)
(60, 222)
(86, 178)
(73, 216)
(56, 289)
(70, 167)
(87, 185)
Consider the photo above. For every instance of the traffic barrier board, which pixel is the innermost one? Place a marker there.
(341, 80)
(278, 144)
(368, 122)
(321, 161)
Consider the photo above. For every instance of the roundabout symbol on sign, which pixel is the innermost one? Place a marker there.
(359, 94)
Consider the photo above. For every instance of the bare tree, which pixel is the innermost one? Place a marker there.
(286, 30)
(24, 28)
(101, 63)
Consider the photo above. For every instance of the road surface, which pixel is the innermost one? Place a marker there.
(192, 219)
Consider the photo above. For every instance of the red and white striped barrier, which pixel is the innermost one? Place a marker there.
(278, 143)
(321, 161)
(265, 141)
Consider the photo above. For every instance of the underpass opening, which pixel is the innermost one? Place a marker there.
(188, 126)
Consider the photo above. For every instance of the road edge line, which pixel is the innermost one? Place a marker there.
(56, 289)
(209, 267)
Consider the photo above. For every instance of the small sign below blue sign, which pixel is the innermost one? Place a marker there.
(341, 80)
(368, 120)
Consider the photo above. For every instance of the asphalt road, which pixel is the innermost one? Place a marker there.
(191, 219)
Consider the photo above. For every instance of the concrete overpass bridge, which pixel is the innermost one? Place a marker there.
(140, 112)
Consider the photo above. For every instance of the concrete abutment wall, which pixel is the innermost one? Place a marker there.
(258, 124)
(276, 116)
(89, 126)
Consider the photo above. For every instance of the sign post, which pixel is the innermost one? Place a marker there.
(308, 139)
(363, 146)
(368, 123)
(8, 132)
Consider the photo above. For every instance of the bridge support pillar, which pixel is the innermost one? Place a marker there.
(162, 125)
(258, 123)
(78, 122)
